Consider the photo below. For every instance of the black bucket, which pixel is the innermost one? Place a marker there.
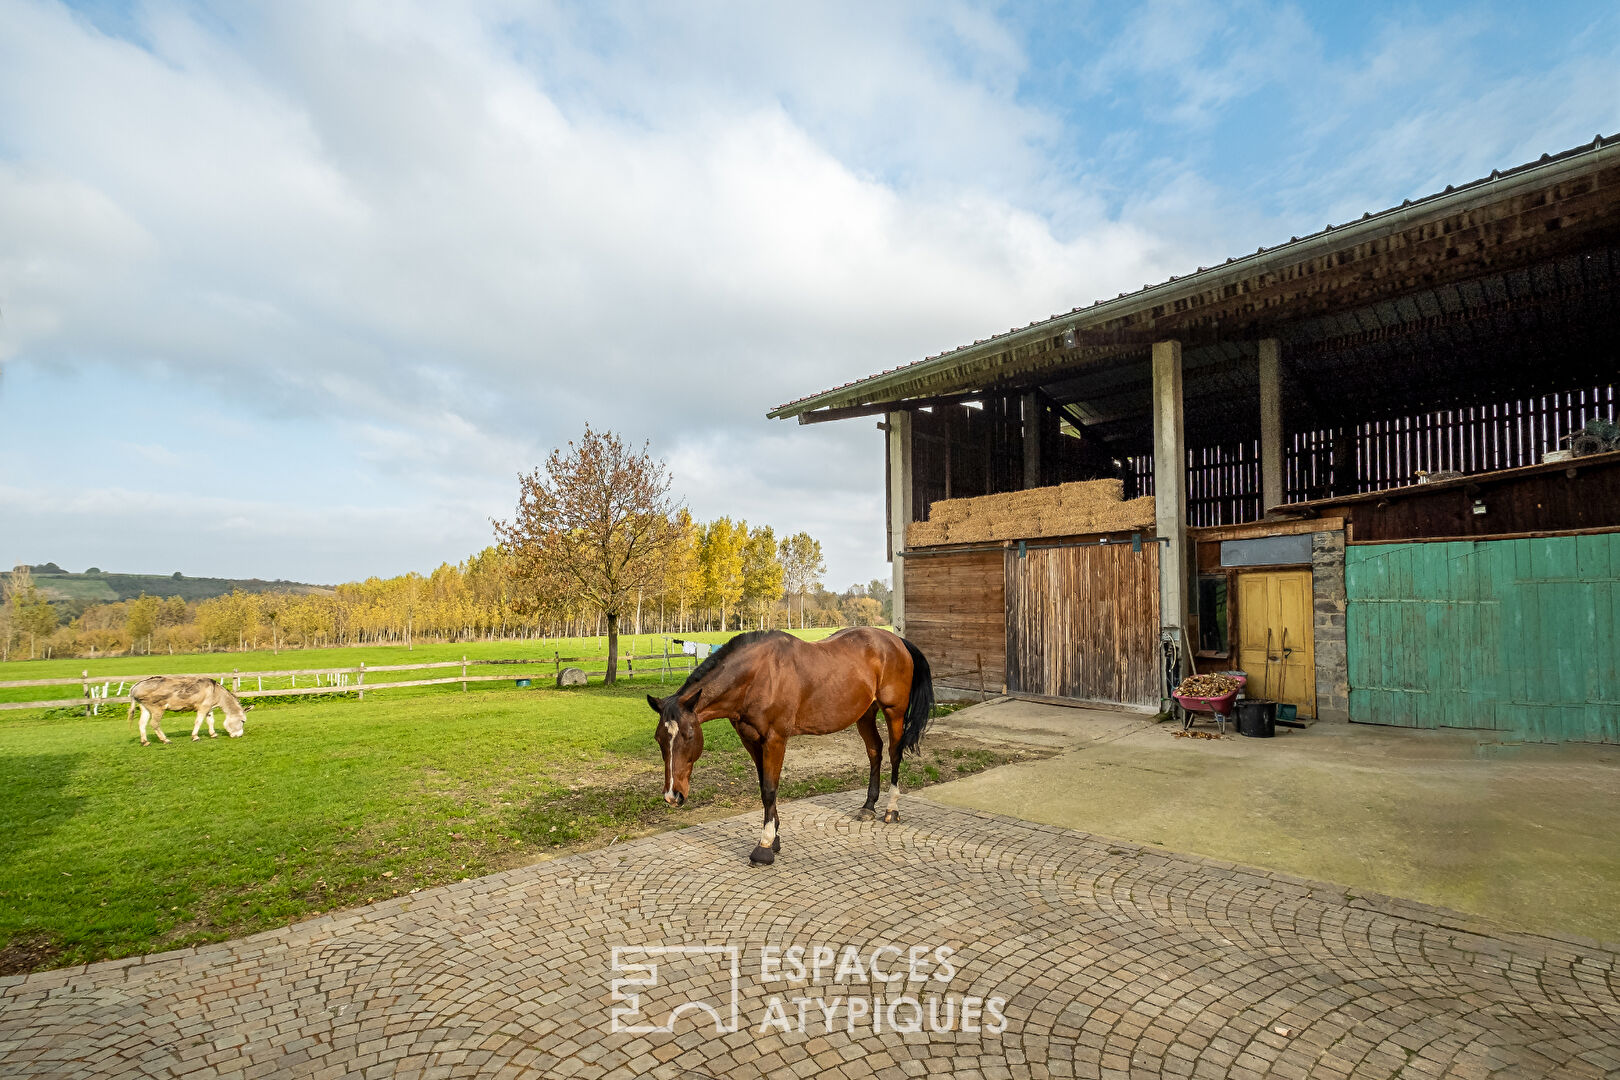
(1257, 719)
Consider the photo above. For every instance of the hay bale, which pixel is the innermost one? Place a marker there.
(1090, 492)
(925, 534)
(950, 511)
(968, 532)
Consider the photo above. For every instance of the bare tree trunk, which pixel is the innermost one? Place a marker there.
(612, 648)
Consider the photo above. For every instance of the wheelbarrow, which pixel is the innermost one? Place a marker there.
(1220, 707)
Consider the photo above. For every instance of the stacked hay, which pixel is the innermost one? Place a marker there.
(1090, 506)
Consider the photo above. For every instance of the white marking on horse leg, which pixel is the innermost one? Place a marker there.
(768, 837)
(894, 795)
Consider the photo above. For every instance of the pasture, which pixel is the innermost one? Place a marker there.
(109, 849)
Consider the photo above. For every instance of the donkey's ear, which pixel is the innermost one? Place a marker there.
(657, 705)
(248, 709)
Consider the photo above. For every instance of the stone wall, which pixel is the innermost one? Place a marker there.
(1327, 595)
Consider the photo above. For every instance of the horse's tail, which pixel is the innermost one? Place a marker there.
(920, 706)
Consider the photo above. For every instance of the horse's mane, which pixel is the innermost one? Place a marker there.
(705, 669)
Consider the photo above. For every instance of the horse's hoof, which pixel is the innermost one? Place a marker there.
(866, 814)
(145, 743)
(213, 734)
(891, 816)
(196, 738)
(762, 856)
(776, 843)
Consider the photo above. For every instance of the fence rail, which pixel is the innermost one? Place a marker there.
(525, 668)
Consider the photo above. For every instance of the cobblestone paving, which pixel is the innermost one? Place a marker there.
(1113, 960)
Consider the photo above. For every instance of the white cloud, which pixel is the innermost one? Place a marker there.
(387, 255)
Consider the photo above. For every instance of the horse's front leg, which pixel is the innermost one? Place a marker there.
(769, 762)
(198, 725)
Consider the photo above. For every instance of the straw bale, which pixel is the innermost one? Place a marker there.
(925, 534)
(948, 511)
(968, 532)
(1092, 491)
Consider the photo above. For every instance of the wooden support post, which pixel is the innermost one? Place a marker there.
(1271, 426)
(1033, 428)
(361, 682)
(84, 682)
(900, 497)
(236, 680)
(1170, 482)
(463, 673)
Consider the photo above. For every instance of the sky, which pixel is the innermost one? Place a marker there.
(297, 289)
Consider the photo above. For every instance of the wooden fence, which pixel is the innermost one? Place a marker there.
(339, 679)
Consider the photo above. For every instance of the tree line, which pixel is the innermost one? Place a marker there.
(721, 574)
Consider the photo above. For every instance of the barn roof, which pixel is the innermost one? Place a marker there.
(1528, 252)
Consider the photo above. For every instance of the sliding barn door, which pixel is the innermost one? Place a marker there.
(1083, 623)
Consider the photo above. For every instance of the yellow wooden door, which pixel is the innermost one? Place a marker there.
(1274, 637)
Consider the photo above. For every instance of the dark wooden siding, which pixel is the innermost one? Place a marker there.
(1223, 481)
(1568, 496)
(955, 613)
(1083, 622)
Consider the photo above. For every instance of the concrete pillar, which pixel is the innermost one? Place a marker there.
(1271, 426)
(1034, 420)
(1170, 483)
(899, 439)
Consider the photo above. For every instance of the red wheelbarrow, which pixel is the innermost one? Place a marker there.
(1219, 707)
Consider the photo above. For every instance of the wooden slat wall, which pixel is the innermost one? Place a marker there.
(956, 614)
(1083, 622)
(1223, 482)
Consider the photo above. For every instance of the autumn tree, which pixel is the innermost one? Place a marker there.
(762, 571)
(142, 619)
(28, 610)
(597, 517)
(720, 558)
(802, 566)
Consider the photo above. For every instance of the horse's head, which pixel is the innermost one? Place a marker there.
(680, 737)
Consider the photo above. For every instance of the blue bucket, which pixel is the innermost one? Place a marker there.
(522, 683)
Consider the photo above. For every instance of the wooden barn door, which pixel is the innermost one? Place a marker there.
(954, 614)
(1083, 622)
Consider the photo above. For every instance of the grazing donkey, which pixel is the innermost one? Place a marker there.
(158, 693)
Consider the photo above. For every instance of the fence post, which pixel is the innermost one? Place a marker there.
(84, 682)
(362, 681)
(463, 673)
(236, 680)
(664, 672)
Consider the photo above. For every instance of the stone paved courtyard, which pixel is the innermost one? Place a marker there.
(1111, 959)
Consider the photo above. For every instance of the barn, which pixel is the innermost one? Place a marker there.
(1356, 465)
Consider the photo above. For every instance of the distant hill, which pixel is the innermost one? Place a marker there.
(72, 593)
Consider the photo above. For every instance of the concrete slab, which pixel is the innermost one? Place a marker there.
(1523, 834)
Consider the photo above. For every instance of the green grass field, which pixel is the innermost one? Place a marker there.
(108, 848)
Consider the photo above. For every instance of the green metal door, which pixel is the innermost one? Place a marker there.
(1513, 635)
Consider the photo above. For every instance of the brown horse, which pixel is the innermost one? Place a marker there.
(772, 686)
